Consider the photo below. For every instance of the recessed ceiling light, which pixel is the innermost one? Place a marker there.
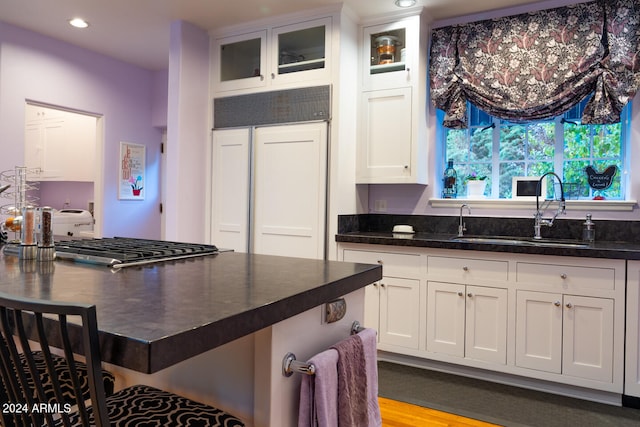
(78, 23)
(405, 3)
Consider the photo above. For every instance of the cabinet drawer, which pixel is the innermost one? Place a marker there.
(393, 264)
(566, 276)
(467, 269)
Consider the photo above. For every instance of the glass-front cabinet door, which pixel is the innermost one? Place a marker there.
(390, 52)
(300, 51)
(240, 61)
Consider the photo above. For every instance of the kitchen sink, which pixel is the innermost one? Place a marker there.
(522, 241)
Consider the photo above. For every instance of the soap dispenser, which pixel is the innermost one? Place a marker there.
(589, 230)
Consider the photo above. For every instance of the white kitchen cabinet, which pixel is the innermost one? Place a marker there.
(240, 61)
(565, 334)
(392, 305)
(269, 189)
(392, 136)
(278, 56)
(391, 54)
(632, 356)
(467, 321)
(61, 144)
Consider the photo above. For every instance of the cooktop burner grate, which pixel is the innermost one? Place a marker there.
(125, 251)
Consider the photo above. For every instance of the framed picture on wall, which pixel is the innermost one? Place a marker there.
(131, 175)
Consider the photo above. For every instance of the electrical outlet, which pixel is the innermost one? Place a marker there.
(380, 206)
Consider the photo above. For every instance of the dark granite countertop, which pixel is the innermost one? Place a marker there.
(598, 249)
(614, 239)
(155, 316)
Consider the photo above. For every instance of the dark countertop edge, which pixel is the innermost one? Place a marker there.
(607, 250)
(212, 335)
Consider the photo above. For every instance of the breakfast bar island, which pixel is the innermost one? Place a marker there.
(213, 328)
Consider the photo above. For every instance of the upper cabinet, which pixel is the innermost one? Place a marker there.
(60, 144)
(241, 61)
(286, 55)
(390, 54)
(392, 128)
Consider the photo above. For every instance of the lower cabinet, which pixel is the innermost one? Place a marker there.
(632, 348)
(467, 321)
(393, 307)
(555, 319)
(565, 334)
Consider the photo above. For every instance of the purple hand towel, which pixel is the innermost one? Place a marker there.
(370, 345)
(319, 392)
(352, 383)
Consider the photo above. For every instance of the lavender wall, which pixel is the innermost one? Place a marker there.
(37, 68)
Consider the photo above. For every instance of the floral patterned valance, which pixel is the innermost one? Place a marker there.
(538, 65)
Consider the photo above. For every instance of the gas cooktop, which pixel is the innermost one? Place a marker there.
(118, 252)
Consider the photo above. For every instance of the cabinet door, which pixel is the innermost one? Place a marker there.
(588, 338)
(399, 312)
(445, 318)
(632, 349)
(385, 142)
(372, 307)
(230, 198)
(290, 190)
(539, 331)
(390, 53)
(240, 61)
(301, 51)
(486, 324)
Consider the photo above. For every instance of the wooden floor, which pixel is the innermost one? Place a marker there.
(400, 414)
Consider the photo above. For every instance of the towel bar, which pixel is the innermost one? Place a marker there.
(291, 365)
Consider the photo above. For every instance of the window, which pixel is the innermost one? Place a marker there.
(501, 150)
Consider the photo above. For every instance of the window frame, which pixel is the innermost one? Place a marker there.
(558, 158)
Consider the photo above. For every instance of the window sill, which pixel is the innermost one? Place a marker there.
(579, 205)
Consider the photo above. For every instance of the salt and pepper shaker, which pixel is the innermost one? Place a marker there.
(589, 230)
(28, 245)
(46, 246)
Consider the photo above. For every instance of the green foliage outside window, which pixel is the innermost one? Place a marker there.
(501, 150)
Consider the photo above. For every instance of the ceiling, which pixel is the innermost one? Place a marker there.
(137, 31)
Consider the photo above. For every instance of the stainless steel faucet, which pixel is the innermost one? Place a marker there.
(462, 227)
(539, 221)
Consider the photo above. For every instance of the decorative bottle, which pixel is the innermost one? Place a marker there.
(450, 190)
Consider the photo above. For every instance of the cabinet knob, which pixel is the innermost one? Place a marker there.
(261, 77)
(557, 303)
(380, 262)
(470, 295)
(460, 293)
(382, 285)
(569, 305)
(273, 76)
(563, 276)
(465, 268)
(406, 166)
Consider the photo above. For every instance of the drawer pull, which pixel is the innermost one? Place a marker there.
(557, 303)
(563, 276)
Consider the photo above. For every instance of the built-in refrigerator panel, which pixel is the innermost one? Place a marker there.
(289, 185)
(270, 189)
(231, 188)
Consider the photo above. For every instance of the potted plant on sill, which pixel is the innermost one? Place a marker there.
(476, 185)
